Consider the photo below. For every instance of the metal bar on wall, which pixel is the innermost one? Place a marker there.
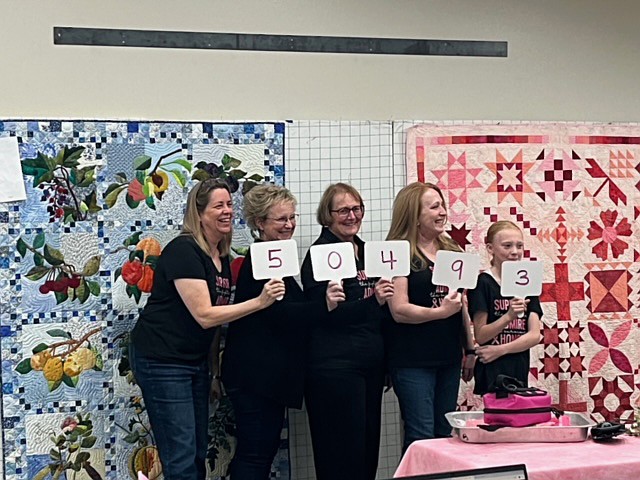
(108, 37)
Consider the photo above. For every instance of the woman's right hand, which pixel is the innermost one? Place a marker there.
(451, 304)
(272, 290)
(335, 294)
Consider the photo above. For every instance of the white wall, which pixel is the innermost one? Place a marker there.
(568, 60)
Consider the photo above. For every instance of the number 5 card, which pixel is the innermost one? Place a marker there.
(456, 270)
(387, 259)
(277, 259)
(522, 278)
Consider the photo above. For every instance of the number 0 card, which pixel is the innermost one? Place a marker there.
(333, 261)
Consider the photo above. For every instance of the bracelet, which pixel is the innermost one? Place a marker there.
(469, 351)
(217, 377)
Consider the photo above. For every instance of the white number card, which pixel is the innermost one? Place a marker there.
(387, 259)
(456, 270)
(333, 262)
(521, 279)
(276, 259)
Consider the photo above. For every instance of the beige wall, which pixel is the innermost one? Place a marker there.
(568, 60)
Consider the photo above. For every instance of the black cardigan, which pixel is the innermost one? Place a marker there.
(351, 335)
(265, 352)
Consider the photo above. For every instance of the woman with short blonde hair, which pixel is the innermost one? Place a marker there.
(264, 359)
(259, 201)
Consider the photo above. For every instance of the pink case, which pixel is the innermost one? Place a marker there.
(517, 409)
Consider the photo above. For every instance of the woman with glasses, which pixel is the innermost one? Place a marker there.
(173, 337)
(345, 377)
(264, 357)
(425, 343)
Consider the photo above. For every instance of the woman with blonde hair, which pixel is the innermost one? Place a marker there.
(425, 342)
(172, 339)
(264, 359)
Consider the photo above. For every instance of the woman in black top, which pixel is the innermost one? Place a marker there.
(173, 336)
(343, 391)
(425, 342)
(264, 357)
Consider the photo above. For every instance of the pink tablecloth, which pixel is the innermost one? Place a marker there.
(618, 459)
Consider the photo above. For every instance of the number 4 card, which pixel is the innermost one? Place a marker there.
(521, 279)
(277, 259)
(456, 270)
(387, 259)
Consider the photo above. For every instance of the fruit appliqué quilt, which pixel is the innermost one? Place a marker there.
(574, 190)
(77, 261)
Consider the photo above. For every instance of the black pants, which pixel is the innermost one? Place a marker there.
(344, 408)
(258, 425)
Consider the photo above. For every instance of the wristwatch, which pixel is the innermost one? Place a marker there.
(469, 351)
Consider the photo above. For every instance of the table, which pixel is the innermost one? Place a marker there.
(588, 460)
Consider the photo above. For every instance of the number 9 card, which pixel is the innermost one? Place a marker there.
(456, 269)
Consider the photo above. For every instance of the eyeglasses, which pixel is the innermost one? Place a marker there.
(282, 221)
(358, 211)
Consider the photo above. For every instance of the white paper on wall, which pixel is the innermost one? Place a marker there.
(11, 181)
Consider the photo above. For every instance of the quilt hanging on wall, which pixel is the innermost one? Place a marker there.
(574, 190)
(76, 265)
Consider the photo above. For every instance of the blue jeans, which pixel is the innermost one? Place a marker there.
(259, 422)
(425, 395)
(177, 400)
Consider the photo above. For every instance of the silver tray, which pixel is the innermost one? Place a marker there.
(577, 432)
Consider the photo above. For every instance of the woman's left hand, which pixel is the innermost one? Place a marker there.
(383, 290)
(467, 367)
(489, 353)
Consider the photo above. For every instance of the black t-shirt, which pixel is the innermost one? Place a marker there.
(486, 297)
(265, 352)
(429, 344)
(166, 330)
(351, 334)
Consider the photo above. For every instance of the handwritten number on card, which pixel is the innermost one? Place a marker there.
(273, 257)
(338, 265)
(523, 278)
(390, 261)
(457, 266)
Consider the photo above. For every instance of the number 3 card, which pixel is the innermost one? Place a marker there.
(456, 270)
(387, 259)
(522, 278)
(277, 259)
(333, 261)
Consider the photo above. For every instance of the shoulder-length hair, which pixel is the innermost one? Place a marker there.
(407, 208)
(197, 201)
(323, 214)
(259, 200)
